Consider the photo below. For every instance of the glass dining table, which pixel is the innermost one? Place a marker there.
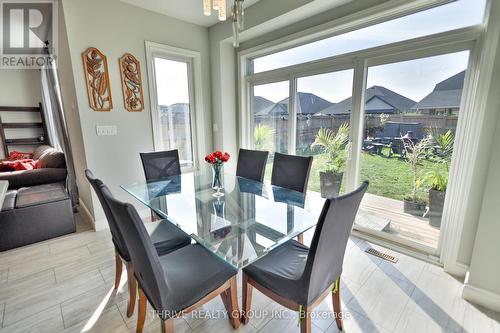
(250, 220)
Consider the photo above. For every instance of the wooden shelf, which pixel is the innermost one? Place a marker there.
(19, 109)
(24, 141)
(22, 125)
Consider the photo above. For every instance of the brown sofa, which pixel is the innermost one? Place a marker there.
(51, 169)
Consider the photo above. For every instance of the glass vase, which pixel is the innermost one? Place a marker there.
(217, 183)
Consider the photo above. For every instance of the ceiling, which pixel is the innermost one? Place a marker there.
(186, 10)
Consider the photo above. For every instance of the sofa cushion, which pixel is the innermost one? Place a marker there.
(51, 158)
(36, 195)
(39, 151)
(25, 178)
(9, 201)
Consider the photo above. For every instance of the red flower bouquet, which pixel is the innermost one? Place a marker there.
(217, 157)
(217, 160)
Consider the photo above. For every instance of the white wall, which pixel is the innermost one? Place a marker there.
(115, 28)
(68, 93)
(19, 87)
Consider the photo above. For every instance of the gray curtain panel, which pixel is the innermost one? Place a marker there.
(57, 130)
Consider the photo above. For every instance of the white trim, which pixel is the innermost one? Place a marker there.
(466, 147)
(480, 296)
(86, 215)
(193, 60)
(356, 124)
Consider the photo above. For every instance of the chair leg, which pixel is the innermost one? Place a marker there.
(230, 300)
(247, 299)
(337, 308)
(118, 269)
(300, 238)
(167, 326)
(305, 322)
(141, 315)
(132, 287)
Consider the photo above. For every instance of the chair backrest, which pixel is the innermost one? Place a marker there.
(291, 171)
(161, 164)
(252, 164)
(113, 227)
(326, 255)
(147, 268)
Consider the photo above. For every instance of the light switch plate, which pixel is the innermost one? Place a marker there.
(106, 130)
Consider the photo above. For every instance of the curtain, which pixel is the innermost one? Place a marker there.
(57, 130)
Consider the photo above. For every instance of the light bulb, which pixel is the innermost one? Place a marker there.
(207, 7)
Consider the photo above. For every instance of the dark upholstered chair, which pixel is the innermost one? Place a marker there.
(292, 172)
(298, 277)
(166, 238)
(161, 164)
(176, 282)
(252, 164)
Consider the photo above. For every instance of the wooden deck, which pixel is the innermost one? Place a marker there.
(416, 229)
(379, 210)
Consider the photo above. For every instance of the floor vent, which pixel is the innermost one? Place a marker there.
(382, 255)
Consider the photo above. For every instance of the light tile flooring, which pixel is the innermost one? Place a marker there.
(65, 285)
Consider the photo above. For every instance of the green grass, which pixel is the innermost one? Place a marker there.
(388, 177)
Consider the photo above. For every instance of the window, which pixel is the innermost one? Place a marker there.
(464, 13)
(322, 108)
(270, 116)
(376, 97)
(172, 99)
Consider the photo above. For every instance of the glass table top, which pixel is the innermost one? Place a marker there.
(245, 224)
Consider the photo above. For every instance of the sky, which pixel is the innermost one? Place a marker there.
(171, 81)
(413, 79)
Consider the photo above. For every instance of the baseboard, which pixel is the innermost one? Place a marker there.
(458, 269)
(85, 213)
(480, 296)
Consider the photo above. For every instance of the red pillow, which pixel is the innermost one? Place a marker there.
(25, 164)
(19, 155)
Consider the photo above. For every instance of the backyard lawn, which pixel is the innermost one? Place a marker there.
(388, 177)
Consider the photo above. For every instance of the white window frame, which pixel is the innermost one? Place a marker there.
(469, 38)
(193, 60)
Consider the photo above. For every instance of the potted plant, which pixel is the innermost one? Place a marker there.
(263, 137)
(438, 180)
(415, 151)
(438, 176)
(333, 144)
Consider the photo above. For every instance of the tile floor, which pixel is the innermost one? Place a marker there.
(65, 285)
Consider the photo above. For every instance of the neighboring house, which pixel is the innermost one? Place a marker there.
(378, 100)
(444, 99)
(174, 114)
(260, 103)
(308, 104)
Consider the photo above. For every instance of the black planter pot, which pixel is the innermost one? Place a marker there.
(414, 208)
(330, 183)
(436, 203)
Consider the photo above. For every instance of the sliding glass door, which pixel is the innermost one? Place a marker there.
(411, 110)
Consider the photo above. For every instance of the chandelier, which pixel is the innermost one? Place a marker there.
(237, 15)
